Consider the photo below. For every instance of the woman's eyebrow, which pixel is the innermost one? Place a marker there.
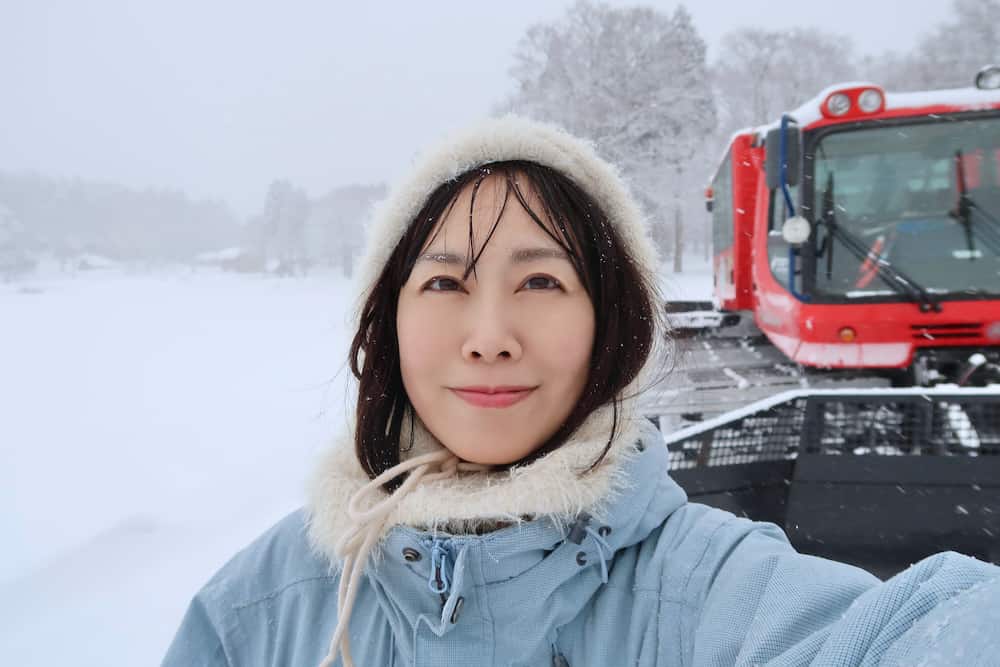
(517, 256)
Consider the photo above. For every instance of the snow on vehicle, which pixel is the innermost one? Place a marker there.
(857, 245)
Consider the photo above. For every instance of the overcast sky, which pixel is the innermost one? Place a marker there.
(219, 98)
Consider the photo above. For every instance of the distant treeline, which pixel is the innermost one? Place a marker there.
(635, 80)
(66, 219)
(85, 224)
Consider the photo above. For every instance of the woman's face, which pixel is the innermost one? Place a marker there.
(495, 363)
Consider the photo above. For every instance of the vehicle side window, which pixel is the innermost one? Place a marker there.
(722, 205)
(778, 209)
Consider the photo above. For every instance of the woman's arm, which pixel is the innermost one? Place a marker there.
(963, 631)
(761, 602)
(197, 642)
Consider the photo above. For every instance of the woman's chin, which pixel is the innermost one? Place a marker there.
(484, 453)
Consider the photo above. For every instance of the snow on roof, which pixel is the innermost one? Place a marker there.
(968, 99)
(809, 112)
(97, 261)
(725, 152)
(224, 255)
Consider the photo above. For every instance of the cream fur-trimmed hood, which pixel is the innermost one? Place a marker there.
(557, 485)
(560, 484)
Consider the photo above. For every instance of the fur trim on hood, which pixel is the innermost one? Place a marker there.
(560, 484)
(557, 485)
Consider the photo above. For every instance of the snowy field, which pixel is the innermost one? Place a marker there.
(150, 426)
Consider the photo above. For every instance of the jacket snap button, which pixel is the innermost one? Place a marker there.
(411, 555)
(458, 609)
(581, 558)
(604, 531)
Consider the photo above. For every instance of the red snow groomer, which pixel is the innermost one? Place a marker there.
(862, 230)
(855, 238)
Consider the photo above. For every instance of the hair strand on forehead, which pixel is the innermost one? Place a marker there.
(472, 255)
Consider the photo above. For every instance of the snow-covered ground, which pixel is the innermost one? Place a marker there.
(150, 426)
(694, 284)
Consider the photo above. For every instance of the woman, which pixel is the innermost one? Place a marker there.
(499, 500)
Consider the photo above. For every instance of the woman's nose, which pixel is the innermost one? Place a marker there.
(491, 336)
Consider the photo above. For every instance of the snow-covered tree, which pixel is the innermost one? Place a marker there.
(337, 223)
(283, 227)
(762, 73)
(15, 253)
(948, 56)
(634, 81)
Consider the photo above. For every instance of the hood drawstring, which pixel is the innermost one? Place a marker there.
(439, 580)
(358, 542)
(604, 552)
(579, 530)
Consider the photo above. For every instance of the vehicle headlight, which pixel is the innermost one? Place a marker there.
(988, 78)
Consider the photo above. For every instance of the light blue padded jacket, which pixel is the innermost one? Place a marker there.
(660, 581)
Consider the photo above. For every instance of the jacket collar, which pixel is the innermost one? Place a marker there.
(560, 485)
(543, 555)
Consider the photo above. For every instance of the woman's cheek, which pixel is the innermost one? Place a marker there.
(566, 331)
(424, 334)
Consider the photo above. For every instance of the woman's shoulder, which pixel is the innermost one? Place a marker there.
(685, 554)
(238, 616)
(279, 559)
(692, 540)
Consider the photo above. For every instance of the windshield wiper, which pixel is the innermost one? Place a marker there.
(966, 207)
(898, 281)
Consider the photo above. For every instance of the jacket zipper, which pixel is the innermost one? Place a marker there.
(440, 582)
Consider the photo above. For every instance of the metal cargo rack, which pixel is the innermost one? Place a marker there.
(879, 478)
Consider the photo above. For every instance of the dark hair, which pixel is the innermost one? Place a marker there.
(624, 305)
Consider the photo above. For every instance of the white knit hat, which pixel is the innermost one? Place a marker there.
(496, 140)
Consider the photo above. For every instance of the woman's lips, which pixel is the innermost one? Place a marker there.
(501, 397)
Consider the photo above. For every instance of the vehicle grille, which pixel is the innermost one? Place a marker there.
(952, 331)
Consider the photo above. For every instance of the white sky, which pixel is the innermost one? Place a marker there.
(219, 98)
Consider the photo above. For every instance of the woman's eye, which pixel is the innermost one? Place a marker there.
(541, 282)
(442, 284)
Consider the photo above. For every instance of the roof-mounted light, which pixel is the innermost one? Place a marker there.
(988, 78)
(838, 104)
(853, 101)
(870, 100)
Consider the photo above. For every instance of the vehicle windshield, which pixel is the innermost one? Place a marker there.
(923, 198)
